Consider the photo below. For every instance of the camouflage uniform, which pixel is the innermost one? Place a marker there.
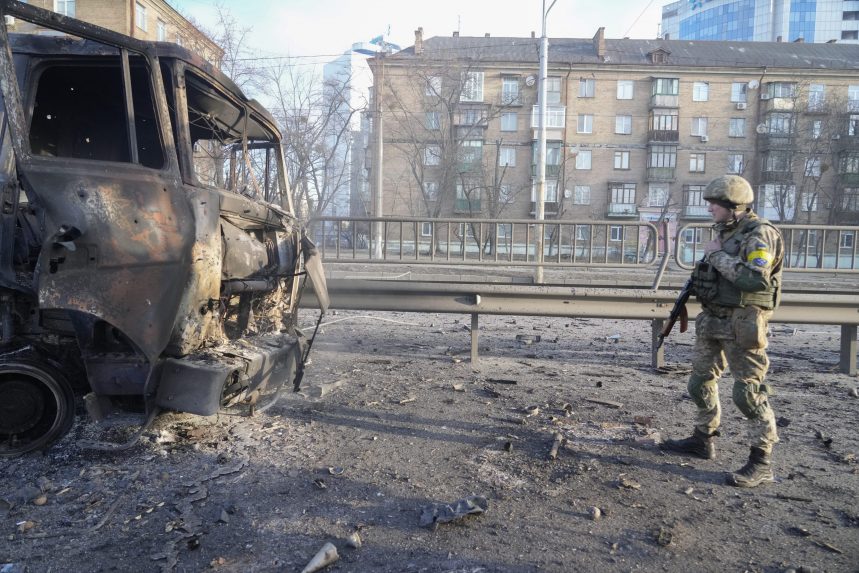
(738, 287)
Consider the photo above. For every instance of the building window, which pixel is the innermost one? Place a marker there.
(657, 195)
(65, 7)
(431, 190)
(505, 194)
(850, 202)
(553, 91)
(161, 31)
(777, 162)
(625, 89)
(509, 121)
(693, 195)
(551, 191)
(553, 156)
(853, 125)
(850, 34)
(852, 98)
(808, 202)
(780, 90)
(846, 241)
(510, 90)
(699, 126)
(582, 195)
(623, 124)
(432, 155)
(816, 97)
(816, 128)
(432, 87)
(663, 156)
(433, 121)
(737, 127)
(664, 120)
(622, 193)
(700, 91)
(849, 164)
(621, 159)
(426, 229)
(583, 159)
(140, 15)
(472, 86)
(555, 117)
(471, 151)
(696, 162)
(738, 92)
(587, 87)
(616, 233)
(812, 167)
(780, 123)
(735, 163)
(471, 116)
(507, 157)
(585, 123)
(850, 15)
(583, 233)
(666, 86)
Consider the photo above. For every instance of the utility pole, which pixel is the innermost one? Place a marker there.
(378, 86)
(540, 211)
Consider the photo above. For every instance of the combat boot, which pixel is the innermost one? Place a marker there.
(756, 471)
(699, 444)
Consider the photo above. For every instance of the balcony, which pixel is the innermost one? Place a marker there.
(664, 135)
(846, 142)
(664, 100)
(466, 206)
(775, 140)
(778, 104)
(849, 179)
(551, 170)
(776, 177)
(660, 174)
(549, 207)
(622, 210)
(695, 212)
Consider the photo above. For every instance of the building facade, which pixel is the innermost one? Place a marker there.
(636, 128)
(762, 20)
(153, 20)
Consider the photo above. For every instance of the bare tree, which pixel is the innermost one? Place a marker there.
(316, 124)
(437, 120)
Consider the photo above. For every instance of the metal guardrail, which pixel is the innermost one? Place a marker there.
(575, 301)
(567, 243)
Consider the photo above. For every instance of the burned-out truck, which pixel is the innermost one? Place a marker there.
(149, 250)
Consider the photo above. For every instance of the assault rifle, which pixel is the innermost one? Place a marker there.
(679, 311)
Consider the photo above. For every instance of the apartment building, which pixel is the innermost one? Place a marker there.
(762, 20)
(153, 20)
(636, 128)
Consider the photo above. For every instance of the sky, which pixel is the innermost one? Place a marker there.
(316, 31)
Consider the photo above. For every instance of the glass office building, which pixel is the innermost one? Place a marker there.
(762, 20)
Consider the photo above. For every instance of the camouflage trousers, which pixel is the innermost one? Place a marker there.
(736, 338)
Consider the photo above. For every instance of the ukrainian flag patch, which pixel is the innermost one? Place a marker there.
(760, 258)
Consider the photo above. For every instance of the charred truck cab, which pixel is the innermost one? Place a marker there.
(148, 246)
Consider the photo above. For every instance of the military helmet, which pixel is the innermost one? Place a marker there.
(731, 189)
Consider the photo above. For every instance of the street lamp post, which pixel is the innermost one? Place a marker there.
(377, 153)
(540, 211)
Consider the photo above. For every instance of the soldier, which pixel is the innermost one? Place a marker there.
(738, 284)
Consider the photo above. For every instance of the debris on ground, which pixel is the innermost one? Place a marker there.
(432, 515)
(325, 557)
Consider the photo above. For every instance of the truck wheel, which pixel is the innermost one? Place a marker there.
(37, 406)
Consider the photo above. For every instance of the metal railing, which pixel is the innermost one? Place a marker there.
(568, 243)
(808, 248)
